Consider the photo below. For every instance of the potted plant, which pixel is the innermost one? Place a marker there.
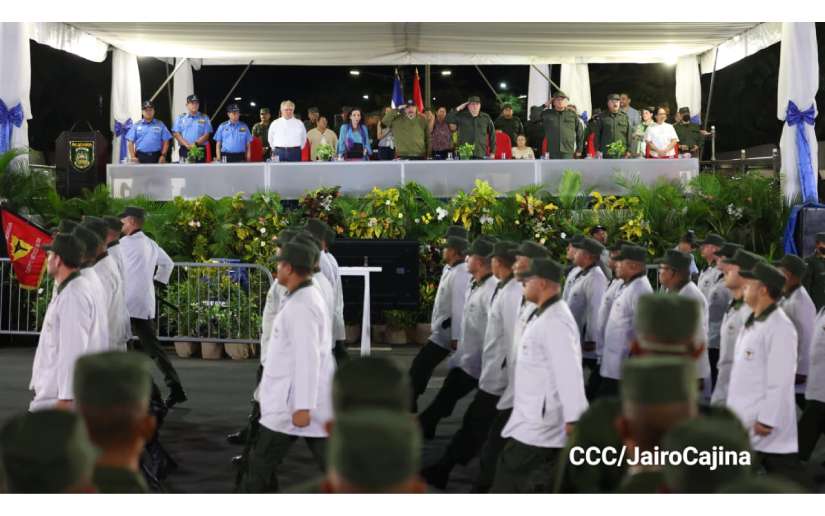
(423, 328)
(325, 152)
(465, 150)
(617, 149)
(195, 154)
(398, 321)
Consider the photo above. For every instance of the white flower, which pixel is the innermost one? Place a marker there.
(441, 213)
(518, 223)
(372, 222)
(263, 231)
(563, 235)
(485, 219)
(417, 221)
(387, 202)
(198, 223)
(400, 215)
(263, 244)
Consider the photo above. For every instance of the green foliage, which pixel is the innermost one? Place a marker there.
(195, 154)
(617, 149)
(378, 215)
(465, 150)
(400, 319)
(24, 190)
(325, 152)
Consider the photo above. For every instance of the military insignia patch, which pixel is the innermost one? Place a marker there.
(82, 154)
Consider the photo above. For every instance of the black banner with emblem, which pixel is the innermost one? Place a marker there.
(81, 159)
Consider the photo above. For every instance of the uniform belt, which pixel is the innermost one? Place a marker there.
(287, 148)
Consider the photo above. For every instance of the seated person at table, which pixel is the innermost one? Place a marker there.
(521, 150)
(233, 137)
(287, 134)
(354, 140)
(149, 138)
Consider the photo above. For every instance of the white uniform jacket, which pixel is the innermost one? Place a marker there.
(707, 278)
(690, 290)
(738, 312)
(620, 329)
(762, 380)
(584, 300)
(448, 307)
(718, 301)
(815, 389)
(473, 326)
(118, 316)
(329, 266)
(800, 309)
(299, 365)
(498, 337)
(569, 281)
(274, 296)
(549, 385)
(525, 309)
(610, 295)
(116, 253)
(99, 336)
(320, 282)
(141, 255)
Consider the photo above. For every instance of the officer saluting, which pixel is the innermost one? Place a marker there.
(141, 255)
(234, 137)
(191, 129)
(149, 138)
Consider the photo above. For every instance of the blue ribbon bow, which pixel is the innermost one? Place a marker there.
(583, 116)
(9, 119)
(120, 131)
(807, 177)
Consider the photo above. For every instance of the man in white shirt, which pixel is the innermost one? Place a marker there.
(325, 236)
(67, 327)
(812, 422)
(287, 134)
(99, 336)
(141, 256)
(712, 285)
(112, 280)
(114, 227)
(549, 387)
(761, 390)
(585, 297)
(296, 388)
(661, 137)
(610, 295)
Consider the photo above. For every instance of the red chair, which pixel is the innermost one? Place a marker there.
(544, 146)
(591, 145)
(256, 149)
(208, 153)
(503, 146)
(306, 151)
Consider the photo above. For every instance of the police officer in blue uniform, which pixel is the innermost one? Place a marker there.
(192, 128)
(149, 138)
(233, 137)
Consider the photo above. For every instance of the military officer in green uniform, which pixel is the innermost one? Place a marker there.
(562, 129)
(690, 135)
(475, 127)
(814, 279)
(47, 452)
(612, 126)
(112, 392)
(261, 130)
(508, 123)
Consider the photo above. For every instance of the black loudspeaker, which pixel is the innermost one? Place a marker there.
(80, 159)
(395, 287)
(810, 222)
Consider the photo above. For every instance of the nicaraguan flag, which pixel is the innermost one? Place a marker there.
(397, 92)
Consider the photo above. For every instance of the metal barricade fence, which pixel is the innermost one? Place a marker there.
(204, 302)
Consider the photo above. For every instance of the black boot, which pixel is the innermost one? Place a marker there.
(177, 395)
(437, 475)
(238, 438)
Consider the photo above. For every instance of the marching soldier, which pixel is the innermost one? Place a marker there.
(812, 422)
(114, 227)
(814, 280)
(329, 267)
(549, 387)
(141, 256)
(564, 133)
(585, 297)
(448, 313)
(712, 286)
(148, 138)
(192, 129)
(233, 137)
(99, 332)
(112, 280)
(619, 331)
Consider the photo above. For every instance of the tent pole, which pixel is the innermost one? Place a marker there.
(710, 91)
(232, 89)
(169, 95)
(488, 83)
(548, 79)
(428, 94)
(169, 78)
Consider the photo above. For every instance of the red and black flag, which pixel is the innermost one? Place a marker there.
(24, 244)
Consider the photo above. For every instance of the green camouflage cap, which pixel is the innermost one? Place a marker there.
(713, 239)
(532, 250)
(459, 231)
(762, 484)
(653, 380)
(370, 383)
(458, 243)
(745, 260)
(113, 223)
(729, 250)
(560, 94)
(112, 378)
(89, 240)
(704, 433)
(46, 452)
(613, 96)
(67, 226)
(505, 249)
(97, 226)
(304, 238)
(676, 259)
(319, 229)
(473, 98)
(374, 449)
(820, 237)
(481, 246)
(574, 239)
(793, 264)
(298, 255)
(544, 268)
(663, 321)
(769, 275)
(590, 245)
(68, 248)
(634, 253)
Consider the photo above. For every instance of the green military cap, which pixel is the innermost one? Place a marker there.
(112, 378)
(285, 235)
(374, 449)
(113, 223)
(729, 250)
(264, 111)
(762, 484)
(133, 211)
(713, 239)
(46, 452)
(68, 248)
(370, 383)
(459, 231)
(793, 264)
(689, 238)
(560, 94)
(617, 245)
(304, 239)
(676, 259)
(318, 228)
(312, 109)
(590, 245)
(330, 236)
(532, 249)
(481, 246)
(545, 268)
(67, 226)
(651, 380)
(298, 255)
(613, 96)
(89, 240)
(458, 243)
(97, 226)
(663, 320)
(745, 260)
(820, 237)
(506, 105)
(473, 98)
(504, 249)
(769, 275)
(704, 434)
(574, 239)
(633, 253)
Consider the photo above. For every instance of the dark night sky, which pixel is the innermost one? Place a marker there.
(67, 89)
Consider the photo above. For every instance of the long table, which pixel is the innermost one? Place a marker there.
(356, 178)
